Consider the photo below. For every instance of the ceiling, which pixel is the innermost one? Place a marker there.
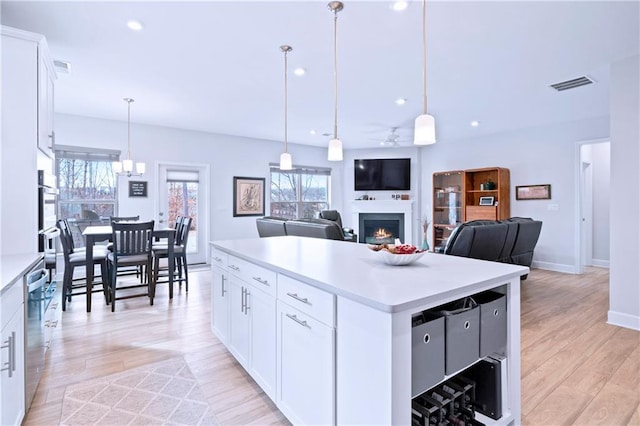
(217, 66)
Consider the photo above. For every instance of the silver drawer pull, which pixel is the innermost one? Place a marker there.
(261, 281)
(299, 299)
(295, 318)
(217, 259)
(234, 267)
(11, 346)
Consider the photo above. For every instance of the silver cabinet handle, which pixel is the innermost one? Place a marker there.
(52, 136)
(234, 267)
(11, 346)
(243, 303)
(217, 259)
(246, 301)
(261, 281)
(295, 318)
(223, 290)
(298, 298)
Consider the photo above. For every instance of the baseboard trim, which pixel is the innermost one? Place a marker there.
(600, 263)
(557, 267)
(623, 320)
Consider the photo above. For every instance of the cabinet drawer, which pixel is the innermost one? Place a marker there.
(310, 300)
(261, 278)
(10, 300)
(219, 258)
(238, 267)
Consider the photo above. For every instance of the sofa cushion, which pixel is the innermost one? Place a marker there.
(271, 226)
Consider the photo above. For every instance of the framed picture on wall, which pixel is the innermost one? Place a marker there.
(248, 196)
(486, 201)
(533, 192)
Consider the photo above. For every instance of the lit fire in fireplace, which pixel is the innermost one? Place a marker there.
(381, 234)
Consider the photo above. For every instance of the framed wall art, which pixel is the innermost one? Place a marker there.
(248, 196)
(533, 192)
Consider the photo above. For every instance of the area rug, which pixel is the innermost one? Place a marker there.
(163, 393)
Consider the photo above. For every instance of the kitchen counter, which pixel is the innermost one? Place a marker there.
(14, 266)
(358, 273)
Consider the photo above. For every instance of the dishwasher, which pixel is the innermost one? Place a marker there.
(38, 293)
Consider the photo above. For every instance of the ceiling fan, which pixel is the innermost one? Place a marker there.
(393, 139)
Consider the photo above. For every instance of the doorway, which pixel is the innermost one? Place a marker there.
(593, 180)
(183, 190)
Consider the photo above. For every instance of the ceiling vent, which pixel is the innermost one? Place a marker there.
(572, 84)
(62, 66)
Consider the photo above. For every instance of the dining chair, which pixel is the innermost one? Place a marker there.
(179, 254)
(73, 258)
(126, 271)
(132, 246)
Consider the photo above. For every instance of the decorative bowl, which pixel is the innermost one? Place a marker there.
(399, 259)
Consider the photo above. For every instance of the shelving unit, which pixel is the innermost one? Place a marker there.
(457, 198)
(476, 187)
(448, 207)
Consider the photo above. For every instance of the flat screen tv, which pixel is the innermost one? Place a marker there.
(382, 174)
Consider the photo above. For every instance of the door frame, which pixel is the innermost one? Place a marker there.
(204, 172)
(579, 240)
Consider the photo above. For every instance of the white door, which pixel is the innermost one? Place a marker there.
(183, 191)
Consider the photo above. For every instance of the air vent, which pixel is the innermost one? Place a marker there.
(572, 84)
(62, 66)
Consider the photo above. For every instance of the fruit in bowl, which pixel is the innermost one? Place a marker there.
(396, 248)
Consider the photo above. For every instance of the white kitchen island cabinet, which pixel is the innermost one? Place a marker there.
(344, 324)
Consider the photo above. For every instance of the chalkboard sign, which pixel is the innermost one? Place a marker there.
(137, 188)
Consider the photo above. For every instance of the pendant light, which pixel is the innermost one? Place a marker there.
(335, 144)
(285, 157)
(425, 125)
(126, 167)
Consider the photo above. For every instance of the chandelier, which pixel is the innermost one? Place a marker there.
(126, 167)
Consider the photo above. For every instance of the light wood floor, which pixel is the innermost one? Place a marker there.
(576, 369)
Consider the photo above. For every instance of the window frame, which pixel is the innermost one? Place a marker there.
(300, 171)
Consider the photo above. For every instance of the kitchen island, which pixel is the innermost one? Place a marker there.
(325, 327)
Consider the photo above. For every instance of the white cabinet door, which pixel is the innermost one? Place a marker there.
(220, 304)
(238, 343)
(45, 106)
(262, 314)
(12, 375)
(306, 368)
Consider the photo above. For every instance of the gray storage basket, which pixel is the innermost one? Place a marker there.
(427, 352)
(462, 334)
(493, 322)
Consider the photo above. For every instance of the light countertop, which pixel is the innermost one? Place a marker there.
(354, 271)
(14, 266)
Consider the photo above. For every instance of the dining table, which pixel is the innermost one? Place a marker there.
(97, 233)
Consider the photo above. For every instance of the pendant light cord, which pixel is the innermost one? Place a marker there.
(424, 55)
(335, 74)
(128, 130)
(285, 102)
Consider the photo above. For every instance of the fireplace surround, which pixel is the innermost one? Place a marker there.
(401, 207)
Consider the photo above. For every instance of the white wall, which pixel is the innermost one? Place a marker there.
(601, 164)
(543, 155)
(228, 156)
(624, 278)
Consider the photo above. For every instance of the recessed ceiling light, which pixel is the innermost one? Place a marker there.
(399, 5)
(299, 71)
(312, 132)
(134, 25)
(401, 101)
(475, 123)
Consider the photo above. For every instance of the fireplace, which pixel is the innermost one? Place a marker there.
(381, 228)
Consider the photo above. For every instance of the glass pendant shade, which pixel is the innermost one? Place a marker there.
(140, 168)
(127, 166)
(425, 130)
(335, 150)
(285, 161)
(116, 166)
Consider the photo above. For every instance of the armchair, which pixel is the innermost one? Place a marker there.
(334, 215)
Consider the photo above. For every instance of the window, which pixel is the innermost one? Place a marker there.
(299, 193)
(86, 183)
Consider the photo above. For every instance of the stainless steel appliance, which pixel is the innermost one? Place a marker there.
(47, 193)
(38, 294)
